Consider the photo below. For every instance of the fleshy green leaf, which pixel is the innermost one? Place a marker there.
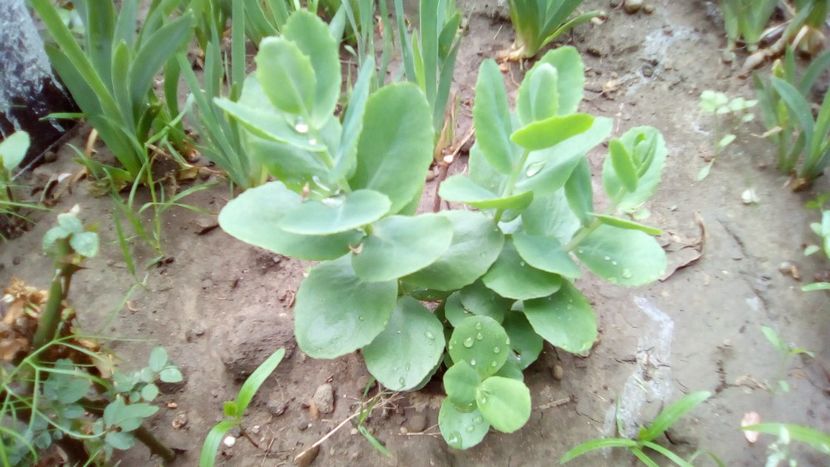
(546, 254)
(482, 343)
(482, 301)
(538, 94)
(623, 165)
(476, 243)
(565, 319)
(408, 349)
(13, 149)
(460, 383)
(461, 189)
(255, 215)
(336, 214)
(571, 76)
(401, 245)
(625, 257)
(512, 277)
(523, 339)
(395, 147)
(551, 216)
(491, 117)
(461, 430)
(627, 224)
(547, 133)
(671, 414)
(504, 402)
(580, 193)
(647, 151)
(337, 313)
(286, 75)
(311, 35)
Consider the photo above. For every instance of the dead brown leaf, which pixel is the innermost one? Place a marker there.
(682, 252)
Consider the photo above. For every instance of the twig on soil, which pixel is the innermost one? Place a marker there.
(556, 403)
(426, 432)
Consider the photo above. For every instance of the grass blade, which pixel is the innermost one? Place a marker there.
(207, 458)
(671, 414)
(816, 439)
(596, 444)
(668, 454)
(252, 384)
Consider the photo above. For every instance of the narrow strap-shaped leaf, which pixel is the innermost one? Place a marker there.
(551, 131)
(671, 414)
(255, 380)
(643, 457)
(345, 158)
(816, 68)
(429, 28)
(100, 25)
(812, 437)
(125, 26)
(157, 51)
(627, 224)
(596, 444)
(668, 454)
(207, 457)
(120, 86)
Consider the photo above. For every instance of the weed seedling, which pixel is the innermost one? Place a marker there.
(645, 439)
(729, 115)
(540, 22)
(235, 410)
(779, 451)
(788, 351)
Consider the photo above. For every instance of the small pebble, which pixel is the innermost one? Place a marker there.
(50, 156)
(179, 421)
(276, 408)
(633, 6)
(594, 52)
(648, 71)
(615, 3)
(648, 8)
(558, 372)
(229, 441)
(324, 398)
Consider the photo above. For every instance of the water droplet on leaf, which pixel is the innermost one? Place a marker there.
(468, 342)
(479, 337)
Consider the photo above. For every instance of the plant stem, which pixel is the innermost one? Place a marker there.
(584, 232)
(511, 183)
(50, 317)
(156, 447)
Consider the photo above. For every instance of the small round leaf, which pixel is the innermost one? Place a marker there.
(621, 256)
(461, 430)
(336, 214)
(565, 319)
(504, 402)
(460, 383)
(512, 277)
(482, 343)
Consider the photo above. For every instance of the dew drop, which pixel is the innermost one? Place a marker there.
(312, 142)
(407, 367)
(399, 331)
(361, 318)
(301, 127)
(470, 428)
(496, 350)
(626, 273)
(478, 326)
(580, 251)
(478, 420)
(473, 362)
(607, 258)
(522, 264)
(494, 364)
(479, 337)
(483, 400)
(452, 439)
(507, 341)
(402, 381)
(534, 169)
(429, 335)
(613, 263)
(468, 342)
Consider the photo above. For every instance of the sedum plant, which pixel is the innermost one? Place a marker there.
(540, 22)
(473, 291)
(801, 138)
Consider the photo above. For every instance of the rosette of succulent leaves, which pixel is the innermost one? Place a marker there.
(473, 292)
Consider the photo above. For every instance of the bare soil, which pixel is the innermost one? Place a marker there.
(220, 307)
